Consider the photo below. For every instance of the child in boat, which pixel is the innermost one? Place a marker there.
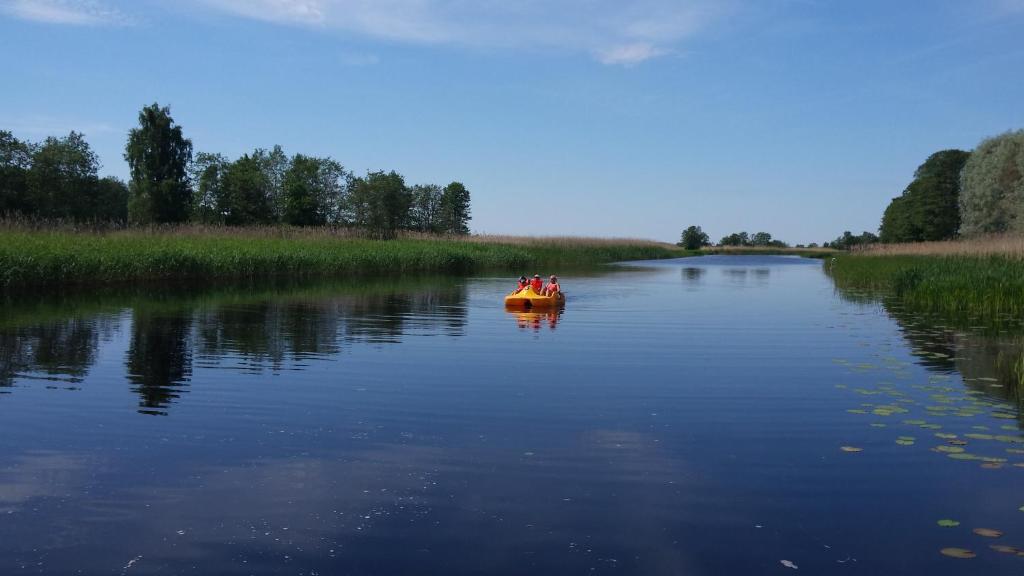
(537, 284)
(521, 285)
(552, 288)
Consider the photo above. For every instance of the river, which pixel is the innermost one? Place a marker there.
(716, 415)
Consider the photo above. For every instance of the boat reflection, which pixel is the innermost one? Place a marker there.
(536, 320)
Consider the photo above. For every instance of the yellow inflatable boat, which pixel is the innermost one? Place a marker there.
(527, 298)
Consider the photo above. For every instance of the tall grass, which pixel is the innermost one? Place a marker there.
(1006, 245)
(979, 279)
(35, 257)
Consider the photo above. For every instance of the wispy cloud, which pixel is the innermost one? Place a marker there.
(72, 12)
(611, 31)
(629, 54)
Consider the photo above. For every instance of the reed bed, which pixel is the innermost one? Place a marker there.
(37, 257)
(1006, 245)
(981, 286)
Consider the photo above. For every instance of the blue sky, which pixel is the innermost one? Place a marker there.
(581, 117)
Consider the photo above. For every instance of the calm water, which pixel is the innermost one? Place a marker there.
(680, 417)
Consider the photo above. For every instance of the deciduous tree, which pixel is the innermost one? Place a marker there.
(158, 156)
(693, 238)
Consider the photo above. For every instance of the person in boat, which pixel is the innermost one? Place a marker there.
(537, 284)
(552, 288)
(521, 285)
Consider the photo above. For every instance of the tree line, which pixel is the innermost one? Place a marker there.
(694, 238)
(57, 179)
(957, 193)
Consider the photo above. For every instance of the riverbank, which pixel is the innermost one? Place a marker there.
(980, 279)
(768, 251)
(30, 257)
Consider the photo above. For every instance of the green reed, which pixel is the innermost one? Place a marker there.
(39, 257)
(985, 287)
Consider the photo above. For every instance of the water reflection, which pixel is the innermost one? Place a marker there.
(537, 320)
(159, 360)
(990, 358)
(693, 277)
(743, 276)
(60, 351)
(246, 328)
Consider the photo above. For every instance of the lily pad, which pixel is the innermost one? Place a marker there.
(949, 449)
(1004, 549)
(957, 553)
(987, 532)
(905, 442)
(851, 449)
(947, 523)
(945, 435)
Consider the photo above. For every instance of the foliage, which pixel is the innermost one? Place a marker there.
(735, 239)
(379, 203)
(454, 209)
(928, 209)
(313, 189)
(208, 202)
(56, 180)
(425, 212)
(15, 161)
(158, 156)
(848, 241)
(245, 193)
(760, 239)
(992, 186)
(61, 183)
(693, 238)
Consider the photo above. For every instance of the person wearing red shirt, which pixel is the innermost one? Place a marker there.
(537, 284)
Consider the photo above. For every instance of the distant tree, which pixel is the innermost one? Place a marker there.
(425, 214)
(15, 162)
(245, 193)
(158, 156)
(209, 202)
(111, 201)
(761, 239)
(992, 186)
(929, 208)
(693, 238)
(848, 241)
(313, 189)
(735, 239)
(454, 211)
(274, 164)
(379, 203)
(62, 181)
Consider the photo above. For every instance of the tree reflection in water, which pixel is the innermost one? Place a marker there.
(173, 332)
(989, 358)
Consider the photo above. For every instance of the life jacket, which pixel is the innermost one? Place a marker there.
(520, 286)
(537, 284)
(552, 288)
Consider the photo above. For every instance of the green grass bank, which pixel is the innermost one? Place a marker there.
(983, 287)
(31, 258)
